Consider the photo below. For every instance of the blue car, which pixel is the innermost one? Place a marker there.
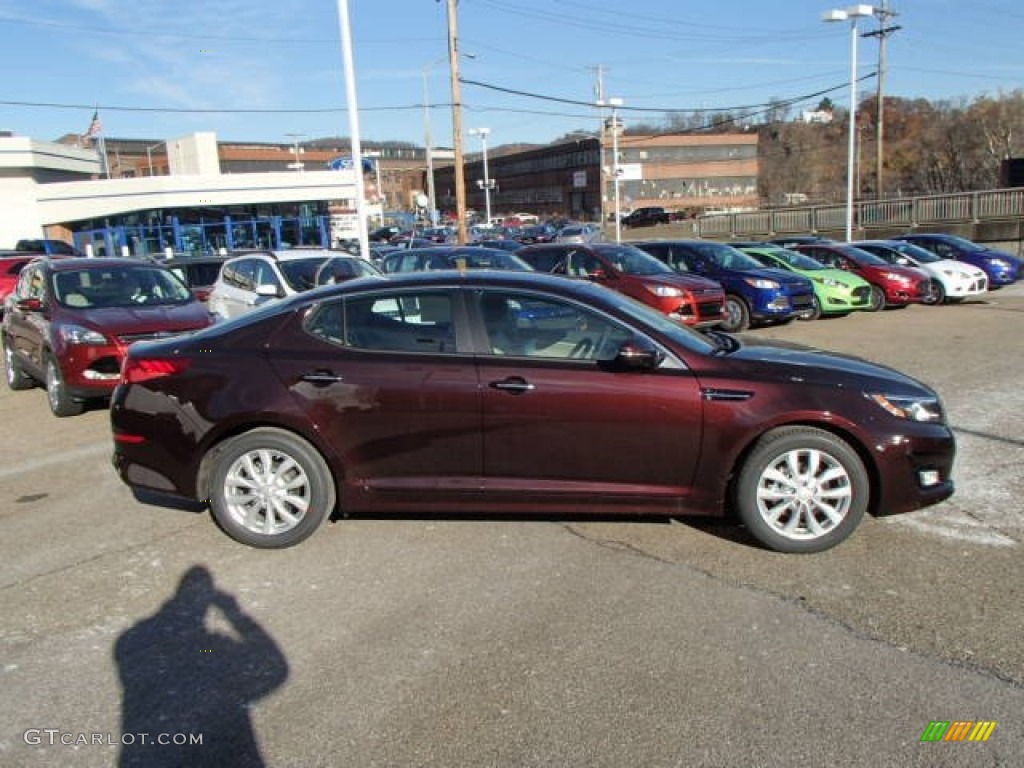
(754, 293)
(1002, 268)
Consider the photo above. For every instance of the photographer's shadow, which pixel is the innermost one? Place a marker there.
(183, 682)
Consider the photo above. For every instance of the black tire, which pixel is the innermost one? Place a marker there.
(248, 478)
(737, 316)
(61, 403)
(802, 514)
(939, 292)
(877, 301)
(813, 313)
(16, 377)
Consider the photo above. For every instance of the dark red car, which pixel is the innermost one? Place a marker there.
(517, 393)
(891, 285)
(69, 322)
(689, 299)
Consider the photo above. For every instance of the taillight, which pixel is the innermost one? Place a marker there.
(138, 369)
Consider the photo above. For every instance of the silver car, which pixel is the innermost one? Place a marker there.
(579, 233)
(252, 279)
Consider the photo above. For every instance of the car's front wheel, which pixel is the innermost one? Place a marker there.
(269, 488)
(737, 316)
(61, 403)
(936, 293)
(15, 374)
(802, 490)
(877, 301)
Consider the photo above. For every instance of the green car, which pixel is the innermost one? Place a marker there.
(836, 293)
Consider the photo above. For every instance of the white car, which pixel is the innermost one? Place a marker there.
(952, 281)
(251, 279)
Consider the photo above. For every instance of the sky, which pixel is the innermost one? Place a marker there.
(274, 71)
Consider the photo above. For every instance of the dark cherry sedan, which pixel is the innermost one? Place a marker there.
(520, 393)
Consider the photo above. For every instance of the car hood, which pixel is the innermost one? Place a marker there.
(780, 276)
(127, 321)
(992, 253)
(913, 273)
(680, 280)
(787, 361)
(953, 267)
(841, 276)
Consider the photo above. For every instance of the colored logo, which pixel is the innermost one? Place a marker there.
(958, 730)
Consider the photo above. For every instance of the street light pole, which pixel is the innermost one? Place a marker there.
(852, 13)
(431, 195)
(298, 165)
(487, 184)
(149, 154)
(616, 169)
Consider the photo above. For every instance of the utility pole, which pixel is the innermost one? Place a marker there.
(883, 31)
(460, 163)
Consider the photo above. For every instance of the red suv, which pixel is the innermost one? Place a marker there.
(891, 286)
(691, 300)
(69, 322)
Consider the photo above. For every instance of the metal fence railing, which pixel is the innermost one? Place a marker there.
(992, 205)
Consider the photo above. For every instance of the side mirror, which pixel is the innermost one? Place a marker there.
(638, 354)
(32, 304)
(268, 289)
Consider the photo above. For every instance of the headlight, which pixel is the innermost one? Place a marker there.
(912, 408)
(897, 277)
(758, 282)
(829, 281)
(665, 290)
(1001, 263)
(76, 334)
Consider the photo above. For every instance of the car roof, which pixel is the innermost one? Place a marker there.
(180, 260)
(60, 263)
(287, 255)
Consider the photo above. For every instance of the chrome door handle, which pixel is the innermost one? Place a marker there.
(320, 377)
(514, 384)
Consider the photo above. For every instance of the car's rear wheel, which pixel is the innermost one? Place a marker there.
(802, 490)
(877, 301)
(737, 316)
(270, 488)
(61, 403)
(15, 374)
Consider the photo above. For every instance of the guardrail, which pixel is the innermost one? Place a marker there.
(966, 207)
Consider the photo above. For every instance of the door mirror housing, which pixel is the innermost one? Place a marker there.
(638, 354)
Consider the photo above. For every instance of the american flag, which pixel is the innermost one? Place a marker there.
(95, 127)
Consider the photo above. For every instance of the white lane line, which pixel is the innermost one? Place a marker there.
(64, 457)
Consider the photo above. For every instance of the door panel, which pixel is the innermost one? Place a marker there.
(561, 422)
(402, 422)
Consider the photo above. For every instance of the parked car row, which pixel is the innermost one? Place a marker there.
(72, 338)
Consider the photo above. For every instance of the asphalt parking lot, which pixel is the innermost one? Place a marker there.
(476, 642)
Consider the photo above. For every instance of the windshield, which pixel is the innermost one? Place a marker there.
(480, 258)
(119, 286)
(792, 258)
(341, 268)
(630, 260)
(726, 256)
(652, 318)
(861, 256)
(301, 273)
(916, 252)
